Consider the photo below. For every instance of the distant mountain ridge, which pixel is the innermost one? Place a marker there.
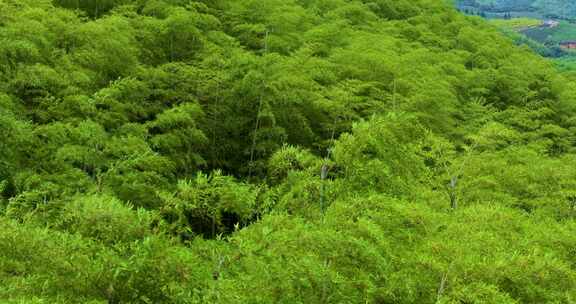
(499, 5)
(564, 9)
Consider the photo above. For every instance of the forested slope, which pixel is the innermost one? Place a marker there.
(280, 151)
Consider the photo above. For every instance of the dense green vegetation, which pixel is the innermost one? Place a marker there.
(244, 151)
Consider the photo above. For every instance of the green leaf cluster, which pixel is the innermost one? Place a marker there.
(296, 151)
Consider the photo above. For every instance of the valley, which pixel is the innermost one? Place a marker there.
(549, 29)
(286, 151)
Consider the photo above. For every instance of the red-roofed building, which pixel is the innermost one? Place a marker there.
(568, 44)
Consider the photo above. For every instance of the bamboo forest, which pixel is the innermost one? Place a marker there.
(281, 151)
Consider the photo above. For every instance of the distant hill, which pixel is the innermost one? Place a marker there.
(281, 151)
(548, 27)
(499, 5)
(564, 9)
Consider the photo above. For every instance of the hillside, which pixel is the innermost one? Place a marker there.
(549, 35)
(280, 151)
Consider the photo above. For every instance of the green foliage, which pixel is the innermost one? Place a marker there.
(175, 131)
(71, 269)
(382, 155)
(106, 219)
(208, 205)
(93, 8)
(333, 151)
(16, 133)
(289, 159)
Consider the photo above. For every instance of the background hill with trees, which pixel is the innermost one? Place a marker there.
(564, 9)
(280, 151)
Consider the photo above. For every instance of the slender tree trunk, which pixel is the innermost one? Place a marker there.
(452, 192)
(252, 149)
(441, 287)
